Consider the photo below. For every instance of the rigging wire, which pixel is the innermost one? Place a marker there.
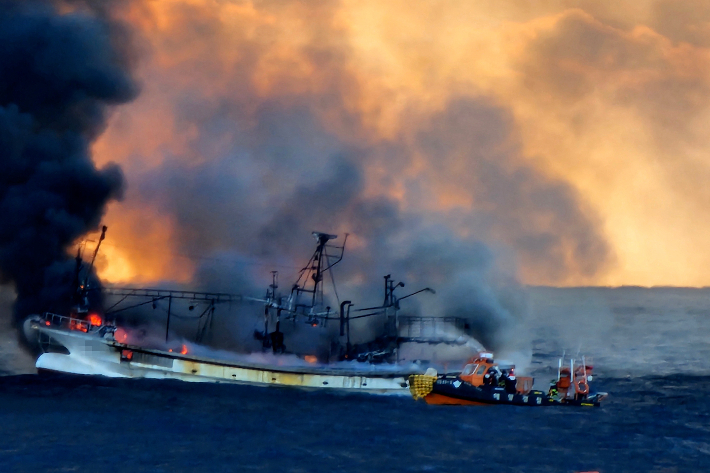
(332, 279)
(136, 305)
(206, 258)
(108, 311)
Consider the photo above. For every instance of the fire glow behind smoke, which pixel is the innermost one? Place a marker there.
(271, 115)
(577, 140)
(463, 147)
(256, 127)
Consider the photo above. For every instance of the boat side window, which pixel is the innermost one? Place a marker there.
(481, 369)
(469, 369)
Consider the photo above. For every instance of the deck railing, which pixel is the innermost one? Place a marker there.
(74, 323)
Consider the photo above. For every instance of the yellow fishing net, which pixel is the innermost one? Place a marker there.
(421, 385)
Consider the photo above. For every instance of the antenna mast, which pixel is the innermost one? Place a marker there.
(310, 280)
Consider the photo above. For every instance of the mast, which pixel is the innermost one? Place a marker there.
(96, 252)
(310, 280)
(318, 259)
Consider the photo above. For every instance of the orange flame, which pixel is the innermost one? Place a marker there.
(95, 320)
(78, 325)
(184, 350)
(120, 335)
(310, 358)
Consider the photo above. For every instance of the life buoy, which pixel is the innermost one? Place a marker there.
(581, 387)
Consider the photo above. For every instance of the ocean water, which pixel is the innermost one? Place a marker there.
(649, 347)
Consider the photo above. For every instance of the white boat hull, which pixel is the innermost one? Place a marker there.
(90, 354)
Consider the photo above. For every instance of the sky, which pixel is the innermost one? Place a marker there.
(559, 142)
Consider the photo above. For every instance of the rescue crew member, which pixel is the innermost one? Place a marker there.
(508, 381)
(491, 377)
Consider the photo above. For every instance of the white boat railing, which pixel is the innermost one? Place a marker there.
(73, 323)
(51, 320)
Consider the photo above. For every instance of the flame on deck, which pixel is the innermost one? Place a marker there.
(120, 335)
(80, 325)
(183, 350)
(93, 320)
(310, 358)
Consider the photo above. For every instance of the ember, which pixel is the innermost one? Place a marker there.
(310, 358)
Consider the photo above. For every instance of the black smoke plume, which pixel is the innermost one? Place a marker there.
(61, 66)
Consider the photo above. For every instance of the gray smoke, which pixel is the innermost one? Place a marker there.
(231, 207)
(59, 72)
(300, 159)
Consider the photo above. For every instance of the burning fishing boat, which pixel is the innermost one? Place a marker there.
(86, 347)
(91, 343)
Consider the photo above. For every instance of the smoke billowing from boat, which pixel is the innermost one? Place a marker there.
(260, 151)
(260, 157)
(62, 64)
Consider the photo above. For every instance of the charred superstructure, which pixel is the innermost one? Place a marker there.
(306, 299)
(95, 345)
(310, 280)
(307, 303)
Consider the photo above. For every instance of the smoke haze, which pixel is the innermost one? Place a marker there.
(469, 148)
(592, 112)
(255, 128)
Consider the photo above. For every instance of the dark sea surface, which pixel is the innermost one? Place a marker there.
(651, 354)
(61, 423)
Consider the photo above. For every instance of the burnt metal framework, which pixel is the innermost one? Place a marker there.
(151, 296)
(390, 309)
(310, 282)
(310, 279)
(80, 288)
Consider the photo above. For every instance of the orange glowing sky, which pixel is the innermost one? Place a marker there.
(611, 99)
